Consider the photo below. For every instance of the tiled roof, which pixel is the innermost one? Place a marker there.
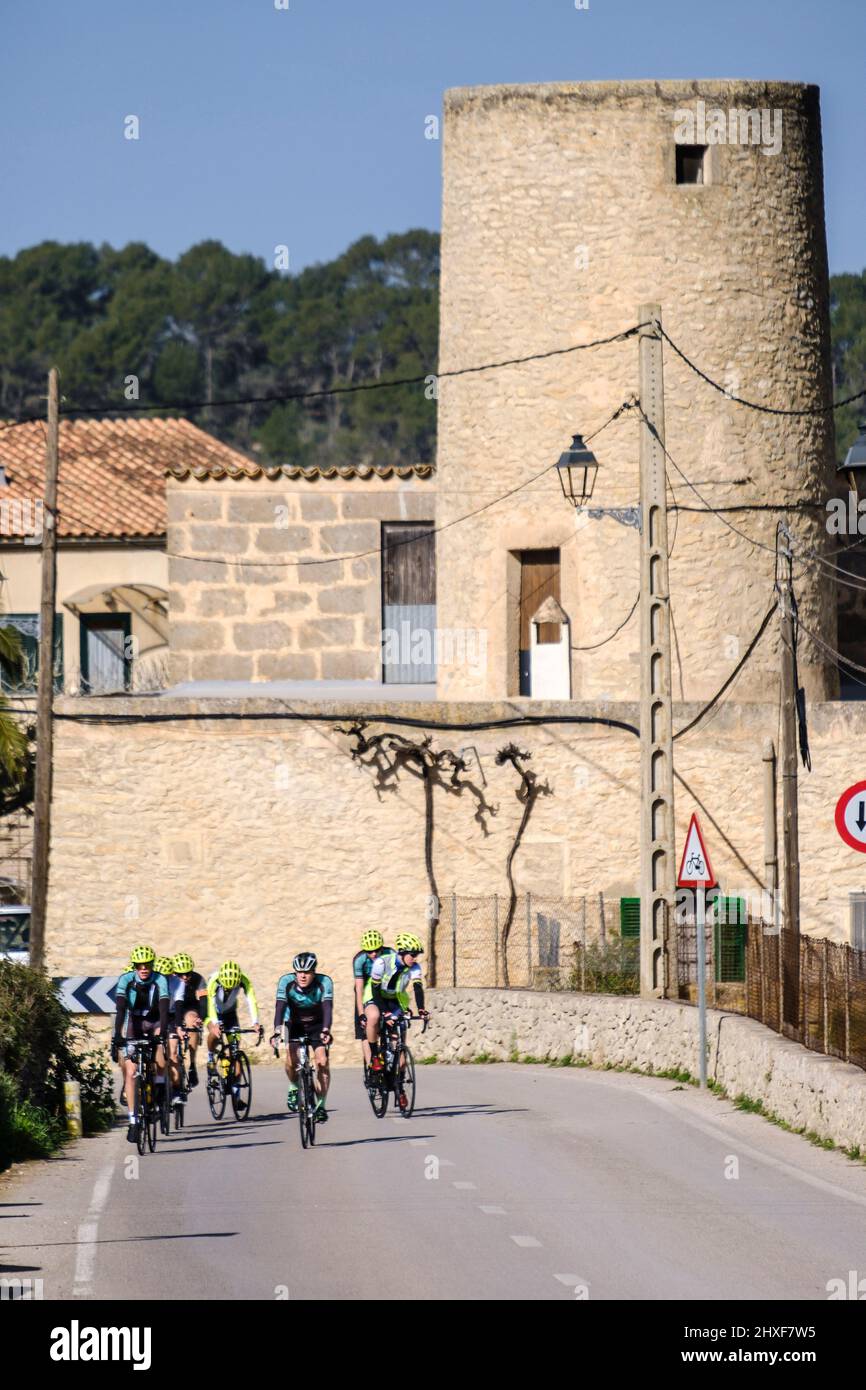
(112, 473)
(245, 468)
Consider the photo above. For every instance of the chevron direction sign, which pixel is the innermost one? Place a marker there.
(88, 994)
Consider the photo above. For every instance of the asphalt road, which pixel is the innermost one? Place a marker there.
(510, 1182)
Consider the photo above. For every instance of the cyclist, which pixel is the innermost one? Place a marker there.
(223, 995)
(187, 992)
(386, 991)
(142, 1011)
(307, 998)
(372, 943)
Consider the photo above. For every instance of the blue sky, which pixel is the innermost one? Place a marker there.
(306, 126)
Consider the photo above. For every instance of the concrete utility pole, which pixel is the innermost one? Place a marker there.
(657, 865)
(45, 686)
(790, 942)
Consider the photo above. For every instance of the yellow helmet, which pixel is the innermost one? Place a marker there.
(164, 965)
(372, 941)
(142, 955)
(183, 963)
(229, 974)
(407, 942)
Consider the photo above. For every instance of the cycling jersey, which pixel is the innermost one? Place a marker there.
(182, 995)
(390, 980)
(222, 1004)
(143, 1001)
(362, 963)
(310, 1010)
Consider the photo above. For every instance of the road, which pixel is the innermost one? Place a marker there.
(510, 1182)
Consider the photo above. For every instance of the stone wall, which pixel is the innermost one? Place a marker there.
(561, 216)
(244, 828)
(285, 612)
(805, 1089)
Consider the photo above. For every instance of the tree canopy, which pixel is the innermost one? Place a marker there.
(214, 326)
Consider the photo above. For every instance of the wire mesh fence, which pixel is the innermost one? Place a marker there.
(539, 942)
(815, 995)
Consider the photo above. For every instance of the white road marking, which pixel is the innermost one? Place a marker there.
(493, 1211)
(526, 1242)
(466, 1186)
(88, 1232)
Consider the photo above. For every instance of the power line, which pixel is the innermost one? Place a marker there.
(627, 619)
(351, 389)
(756, 405)
(732, 677)
(364, 554)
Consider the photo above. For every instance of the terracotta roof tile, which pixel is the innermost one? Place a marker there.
(112, 473)
(246, 468)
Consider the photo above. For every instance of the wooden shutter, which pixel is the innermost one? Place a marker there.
(409, 597)
(629, 917)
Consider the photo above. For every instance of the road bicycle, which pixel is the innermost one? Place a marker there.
(397, 1076)
(146, 1107)
(306, 1073)
(229, 1075)
(183, 1088)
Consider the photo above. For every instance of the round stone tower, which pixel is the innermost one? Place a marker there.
(566, 207)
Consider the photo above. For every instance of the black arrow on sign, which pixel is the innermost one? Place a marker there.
(861, 816)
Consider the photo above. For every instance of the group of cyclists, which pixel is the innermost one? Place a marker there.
(165, 996)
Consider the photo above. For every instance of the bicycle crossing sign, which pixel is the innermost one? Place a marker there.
(695, 868)
(851, 816)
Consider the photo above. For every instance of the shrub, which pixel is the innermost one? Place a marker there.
(26, 1130)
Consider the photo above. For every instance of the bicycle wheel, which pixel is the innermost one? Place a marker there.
(311, 1113)
(243, 1098)
(404, 1085)
(302, 1106)
(216, 1096)
(165, 1105)
(153, 1114)
(140, 1117)
(378, 1094)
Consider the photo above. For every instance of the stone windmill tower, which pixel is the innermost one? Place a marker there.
(566, 206)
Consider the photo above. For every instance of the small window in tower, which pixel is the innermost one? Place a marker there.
(691, 163)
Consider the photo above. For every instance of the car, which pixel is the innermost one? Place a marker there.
(15, 932)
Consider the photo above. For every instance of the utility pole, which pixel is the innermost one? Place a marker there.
(790, 941)
(657, 866)
(45, 685)
(771, 853)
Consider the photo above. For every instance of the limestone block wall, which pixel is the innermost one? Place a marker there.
(804, 1088)
(255, 595)
(561, 216)
(243, 828)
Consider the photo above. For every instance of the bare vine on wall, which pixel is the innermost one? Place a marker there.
(528, 792)
(388, 755)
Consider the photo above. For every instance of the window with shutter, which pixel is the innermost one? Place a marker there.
(27, 627)
(730, 930)
(629, 917)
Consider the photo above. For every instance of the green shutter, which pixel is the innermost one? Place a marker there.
(730, 930)
(629, 917)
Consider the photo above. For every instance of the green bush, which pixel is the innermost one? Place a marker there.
(41, 1044)
(610, 969)
(26, 1130)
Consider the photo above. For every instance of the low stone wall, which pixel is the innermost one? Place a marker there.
(803, 1088)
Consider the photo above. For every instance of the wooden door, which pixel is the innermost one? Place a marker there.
(539, 579)
(408, 602)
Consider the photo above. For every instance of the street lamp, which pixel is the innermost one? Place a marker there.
(577, 469)
(855, 459)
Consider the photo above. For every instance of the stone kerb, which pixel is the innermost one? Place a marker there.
(254, 592)
(805, 1089)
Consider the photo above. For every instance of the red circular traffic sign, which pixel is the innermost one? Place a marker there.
(851, 816)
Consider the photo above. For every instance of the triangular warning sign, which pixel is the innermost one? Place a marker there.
(695, 868)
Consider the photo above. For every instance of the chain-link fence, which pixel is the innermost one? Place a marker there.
(586, 943)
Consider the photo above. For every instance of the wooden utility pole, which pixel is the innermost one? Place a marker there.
(769, 914)
(657, 865)
(790, 942)
(45, 685)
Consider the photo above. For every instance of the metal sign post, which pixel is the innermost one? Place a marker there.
(696, 872)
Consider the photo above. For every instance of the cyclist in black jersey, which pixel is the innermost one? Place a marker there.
(187, 995)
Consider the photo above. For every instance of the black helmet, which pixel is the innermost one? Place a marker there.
(304, 960)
